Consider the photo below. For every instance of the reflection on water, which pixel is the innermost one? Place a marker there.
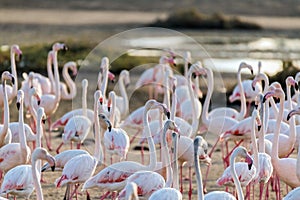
(224, 53)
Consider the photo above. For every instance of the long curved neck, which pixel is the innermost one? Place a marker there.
(22, 136)
(104, 82)
(166, 90)
(39, 134)
(56, 77)
(31, 108)
(292, 136)
(173, 108)
(254, 144)
(98, 153)
(113, 109)
(198, 176)
(166, 159)
(36, 180)
(195, 121)
(50, 72)
(210, 88)
(175, 162)
(243, 98)
(274, 154)
(14, 73)
(69, 82)
(235, 177)
(124, 95)
(84, 103)
(6, 115)
(153, 159)
(261, 136)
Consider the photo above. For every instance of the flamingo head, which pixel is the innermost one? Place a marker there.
(33, 92)
(293, 112)
(104, 119)
(15, 49)
(245, 65)
(249, 160)
(6, 75)
(111, 76)
(277, 93)
(20, 97)
(290, 81)
(59, 46)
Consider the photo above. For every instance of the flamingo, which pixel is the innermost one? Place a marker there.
(167, 192)
(78, 126)
(63, 157)
(285, 168)
(155, 74)
(223, 195)
(11, 90)
(154, 180)
(286, 142)
(14, 154)
(122, 101)
(5, 133)
(18, 180)
(69, 83)
(76, 173)
(116, 140)
(113, 177)
(262, 161)
(50, 102)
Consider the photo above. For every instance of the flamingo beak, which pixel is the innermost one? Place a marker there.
(39, 102)
(249, 160)
(43, 121)
(65, 47)
(296, 86)
(13, 80)
(18, 105)
(259, 127)
(189, 64)
(168, 114)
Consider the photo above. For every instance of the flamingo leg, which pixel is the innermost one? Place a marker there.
(67, 193)
(78, 145)
(226, 159)
(88, 196)
(58, 148)
(181, 183)
(133, 138)
(74, 192)
(104, 196)
(190, 183)
(261, 190)
(48, 139)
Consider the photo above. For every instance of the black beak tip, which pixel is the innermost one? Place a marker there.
(189, 64)
(109, 128)
(255, 106)
(249, 166)
(296, 86)
(13, 80)
(253, 88)
(39, 102)
(65, 48)
(168, 115)
(20, 57)
(53, 168)
(108, 108)
(264, 99)
(251, 71)
(43, 121)
(288, 117)
(259, 127)
(18, 105)
(194, 75)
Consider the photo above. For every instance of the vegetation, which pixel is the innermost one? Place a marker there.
(193, 19)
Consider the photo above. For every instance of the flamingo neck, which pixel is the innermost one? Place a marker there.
(195, 120)
(166, 158)
(166, 90)
(98, 153)
(83, 100)
(254, 144)
(104, 82)
(56, 77)
(36, 179)
(292, 135)
(173, 108)
(274, 154)
(261, 136)
(124, 95)
(38, 139)
(198, 174)
(234, 175)
(69, 82)
(22, 136)
(6, 115)
(32, 108)
(210, 88)
(153, 157)
(112, 116)
(175, 162)
(14, 73)
(50, 72)
(243, 98)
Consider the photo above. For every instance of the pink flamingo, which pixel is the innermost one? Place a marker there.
(74, 173)
(113, 177)
(122, 101)
(21, 180)
(50, 102)
(285, 168)
(154, 75)
(155, 180)
(68, 89)
(116, 140)
(14, 154)
(78, 126)
(11, 90)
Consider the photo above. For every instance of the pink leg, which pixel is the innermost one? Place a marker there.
(226, 159)
(58, 148)
(190, 182)
(261, 190)
(104, 196)
(78, 145)
(136, 134)
(181, 183)
(48, 139)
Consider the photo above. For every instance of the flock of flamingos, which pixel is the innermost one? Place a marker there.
(264, 136)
